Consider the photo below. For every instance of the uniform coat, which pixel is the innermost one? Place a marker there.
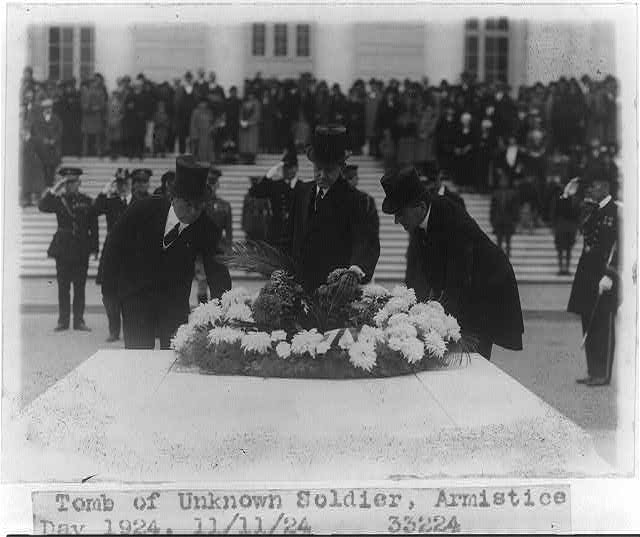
(280, 196)
(337, 235)
(154, 284)
(456, 260)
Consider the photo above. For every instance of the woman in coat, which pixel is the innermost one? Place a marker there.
(250, 113)
(115, 115)
(200, 132)
(93, 110)
(425, 146)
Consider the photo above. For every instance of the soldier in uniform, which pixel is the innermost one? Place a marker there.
(114, 199)
(277, 186)
(73, 242)
(594, 294)
(219, 212)
(140, 183)
(350, 173)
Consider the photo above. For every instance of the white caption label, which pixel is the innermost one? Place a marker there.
(537, 508)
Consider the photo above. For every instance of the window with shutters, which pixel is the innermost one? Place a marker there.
(280, 40)
(486, 49)
(258, 39)
(71, 52)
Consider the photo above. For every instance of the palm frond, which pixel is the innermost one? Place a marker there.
(259, 257)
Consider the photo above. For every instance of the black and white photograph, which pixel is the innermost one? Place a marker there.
(339, 250)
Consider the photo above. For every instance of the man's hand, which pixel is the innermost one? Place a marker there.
(348, 283)
(275, 173)
(109, 187)
(605, 284)
(58, 186)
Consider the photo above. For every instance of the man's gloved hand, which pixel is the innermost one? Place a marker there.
(275, 173)
(605, 284)
(349, 283)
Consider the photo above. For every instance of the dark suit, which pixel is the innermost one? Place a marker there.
(600, 230)
(280, 195)
(154, 284)
(457, 263)
(75, 239)
(336, 235)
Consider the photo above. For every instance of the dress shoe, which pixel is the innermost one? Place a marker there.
(585, 380)
(598, 381)
(61, 327)
(82, 327)
(112, 338)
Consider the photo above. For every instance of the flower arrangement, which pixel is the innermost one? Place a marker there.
(372, 332)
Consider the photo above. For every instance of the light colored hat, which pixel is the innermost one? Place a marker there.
(46, 103)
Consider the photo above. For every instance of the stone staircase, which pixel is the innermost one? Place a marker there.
(533, 256)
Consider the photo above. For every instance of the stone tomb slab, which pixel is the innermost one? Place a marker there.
(133, 416)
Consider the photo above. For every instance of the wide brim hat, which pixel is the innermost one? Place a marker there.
(191, 179)
(329, 145)
(70, 173)
(401, 188)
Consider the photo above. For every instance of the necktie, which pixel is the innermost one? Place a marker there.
(172, 235)
(319, 197)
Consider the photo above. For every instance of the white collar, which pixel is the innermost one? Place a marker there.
(128, 198)
(172, 220)
(604, 202)
(441, 191)
(425, 222)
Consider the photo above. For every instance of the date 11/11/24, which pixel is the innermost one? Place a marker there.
(423, 524)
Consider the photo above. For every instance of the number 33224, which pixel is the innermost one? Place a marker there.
(423, 524)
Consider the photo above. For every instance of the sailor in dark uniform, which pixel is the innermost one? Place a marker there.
(73, 242)
(114, 199)
(595, 290)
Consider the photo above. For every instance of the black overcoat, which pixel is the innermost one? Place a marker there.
(337, 235)
(280, 195)
(456, 262)
(135, 265)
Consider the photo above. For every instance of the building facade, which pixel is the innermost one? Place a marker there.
(515, 51)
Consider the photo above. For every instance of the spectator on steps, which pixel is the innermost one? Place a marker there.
(504, 211)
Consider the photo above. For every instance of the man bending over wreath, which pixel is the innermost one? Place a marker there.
(456, 263)
(328, 224)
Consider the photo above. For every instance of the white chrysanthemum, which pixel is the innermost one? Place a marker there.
(240, 312)
(434, 344)
(235, 296)
(283, 350)
(452, 328)
(224, 334)
(430, 321)
(323, 347)
(306, 341)
(401, 330)
(278, 335)
(362, 355)
(398, 318)
(394, 343)
(207, 313)
(371, 334)
(434, 304)
(408, 295)
(183, 337)
(346, 340)
(412, 349)
(259, 342)
(397, 304)
(381, 317)
(373, 290)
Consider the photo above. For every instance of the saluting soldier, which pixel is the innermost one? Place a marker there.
(277, 186)
(140, 183)
(594, 294)
(114, 199)
(219, 212)
(75, 239)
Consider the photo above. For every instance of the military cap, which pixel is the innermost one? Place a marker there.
(596, 171)
(122, 174)
(70, 173)
(214, 174)
(329, 144)
(141, 174)
(290, 157)
(401, 188)
(191, 179)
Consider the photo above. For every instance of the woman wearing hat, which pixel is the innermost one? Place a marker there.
(328, 223)
(456, 263)
(150, 256)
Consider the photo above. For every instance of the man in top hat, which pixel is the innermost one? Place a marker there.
(278, 186)
(328, 223)
(114, 199)
(456, 263)
(595, 290)
(47, 138)
(75, 239)
(140, 183)
(150, 255)
(219, 211)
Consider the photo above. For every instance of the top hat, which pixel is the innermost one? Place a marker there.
(69, 173)
(191, 179)
(329, 145)
(141, 174)
(401, 188)
(350, 170)
(290, 157)
(427, 171)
